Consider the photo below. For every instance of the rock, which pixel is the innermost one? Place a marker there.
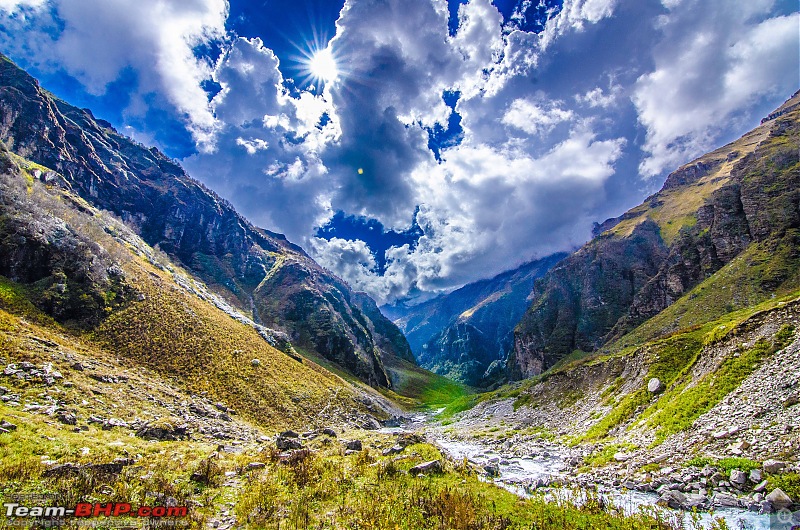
(255, 465)
(67, 418)
(162, 430)
(289, 434)
(779, 499)
(758, 497)
(255, 362)
(622, 457)
(492, 470)
(756, 476)
(353, 445)
(725, 500)
(766, 507)
(773, 466)
(434, 466)
(409, 439)
(370, 424)
(738, 477)
(7, 426)
(329, 432)
(395, 449)
(760, 487)
(655, 385)
(693, 500)
(394, 421)
(672, 499)
(114, 422)
(287, 444)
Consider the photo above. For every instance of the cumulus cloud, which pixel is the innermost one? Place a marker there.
(532, 118)
(721, 60)
(96, 41)
(550, 121)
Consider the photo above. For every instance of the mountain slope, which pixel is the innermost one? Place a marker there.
(461, 334)
(736, 208)
(77, 279)
(260, 272)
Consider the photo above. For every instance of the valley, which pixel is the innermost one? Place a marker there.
(158, 349)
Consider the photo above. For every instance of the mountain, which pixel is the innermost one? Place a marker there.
(467, 334)
(275, 283)
(722, 234)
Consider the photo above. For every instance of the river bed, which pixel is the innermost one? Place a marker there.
(517, 473)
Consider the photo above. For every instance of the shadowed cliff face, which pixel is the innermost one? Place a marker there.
(740, 201)
(259, 271)
(467, 334)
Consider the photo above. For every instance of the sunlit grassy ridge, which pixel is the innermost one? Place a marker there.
(156, 322)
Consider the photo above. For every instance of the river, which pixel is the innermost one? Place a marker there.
(517, 474)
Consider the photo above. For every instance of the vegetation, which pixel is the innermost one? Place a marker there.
(726, 465)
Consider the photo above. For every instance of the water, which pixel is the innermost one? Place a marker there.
(517, 473)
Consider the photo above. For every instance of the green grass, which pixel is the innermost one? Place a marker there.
(677, 408)
(789, 483)
(726, 465)
(418, 388)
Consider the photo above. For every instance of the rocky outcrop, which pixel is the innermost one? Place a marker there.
(249, 266)
(741, 200)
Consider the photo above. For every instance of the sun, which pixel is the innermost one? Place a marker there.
(322, 66)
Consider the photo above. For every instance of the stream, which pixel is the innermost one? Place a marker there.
(517, 473)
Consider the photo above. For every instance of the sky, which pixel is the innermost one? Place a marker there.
(412, 146)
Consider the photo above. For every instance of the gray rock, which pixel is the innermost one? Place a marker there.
(395, 449)
(256, 362)
(756, 476)
(353, 445)
(255, 465)
(672, 499)
(655, 385)
(773, 466)
(761, 486)
(67, 418)
(284, 443)
(289, 434)
(492, 470)
(698, 501)
(725, 500)
(434, 466)
(7, 426)
(779, 499)
(738, 477)
(329, 432)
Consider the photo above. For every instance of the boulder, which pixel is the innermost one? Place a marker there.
(760, 487)
(725, 500)
(773, 466)
(492, 470)
(327, 431)
(353, 445)
(434, 466)
(284, 443)
(672, 499)
(738, 478)
(779, 499)
(756, 476)
(395, 449)
(655, 385)
(289, 434)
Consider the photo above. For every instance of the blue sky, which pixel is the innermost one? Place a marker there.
(438, 142)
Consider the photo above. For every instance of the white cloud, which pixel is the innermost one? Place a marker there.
(97, 40)
(12, 6)
(574, 15)
(721, 60)
(533, 118)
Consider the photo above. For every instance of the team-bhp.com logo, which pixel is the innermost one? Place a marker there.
(87, 509)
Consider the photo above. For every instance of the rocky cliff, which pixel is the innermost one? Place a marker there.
(738, 205)
(254, 269)
(467, 334)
